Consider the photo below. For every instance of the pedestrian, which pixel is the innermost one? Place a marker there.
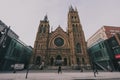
(95, 69)
(14, 69)
(59, 69)
(95, 72)
(109, 68)
(27, 72)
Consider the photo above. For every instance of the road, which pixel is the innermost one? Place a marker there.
(75, 75)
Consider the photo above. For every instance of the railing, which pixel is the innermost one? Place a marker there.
(102, 67)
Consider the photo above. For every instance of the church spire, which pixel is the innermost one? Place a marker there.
(75, 9)
(46, 18)
(71, 8)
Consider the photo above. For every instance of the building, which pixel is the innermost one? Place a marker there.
(12, 49)
(59, 47)
(114, 44)
(10, 33)
(102, 34)
(106, 54)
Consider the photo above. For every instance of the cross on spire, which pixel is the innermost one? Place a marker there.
(71, 8)
(46, 18)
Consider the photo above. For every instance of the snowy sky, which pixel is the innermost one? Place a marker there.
(24, 15)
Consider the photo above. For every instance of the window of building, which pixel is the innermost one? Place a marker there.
(16, 53)
(41, 29)
(78, 48)
(73, 25)
(75, 17)
(114, 43)
(59, 41)
(71, 17)
(75, 29)
(98, 54)
(100, 46)
(117, 51)
(44, 29)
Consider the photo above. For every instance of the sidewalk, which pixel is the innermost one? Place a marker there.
(63, 76)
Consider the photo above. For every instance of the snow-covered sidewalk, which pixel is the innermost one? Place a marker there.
(63, 76)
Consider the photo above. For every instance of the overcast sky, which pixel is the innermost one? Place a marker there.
(24, 15)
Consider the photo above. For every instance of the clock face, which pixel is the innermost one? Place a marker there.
(59, 41)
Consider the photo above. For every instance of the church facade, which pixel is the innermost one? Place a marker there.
(59, 47)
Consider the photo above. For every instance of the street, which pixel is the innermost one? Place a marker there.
(35, 75)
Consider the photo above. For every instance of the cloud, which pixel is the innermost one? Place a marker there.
(24, 15)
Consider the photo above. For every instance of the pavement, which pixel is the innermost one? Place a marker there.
(65, 75)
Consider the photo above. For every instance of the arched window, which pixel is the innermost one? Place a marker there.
(73, 25)
(76, 28)
(76, 25)
(40, 30)
(44, 29)
(78, 48)
(71, 17)
(75, 17)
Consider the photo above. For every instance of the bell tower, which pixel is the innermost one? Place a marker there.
(41, 42)
(78, 47)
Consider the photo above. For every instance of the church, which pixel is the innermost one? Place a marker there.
(59, 47)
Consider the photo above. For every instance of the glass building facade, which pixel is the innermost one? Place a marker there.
(14, 52)
(104, 54)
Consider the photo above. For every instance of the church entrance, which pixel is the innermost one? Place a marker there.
(65, 62)
(52, 61)
(58, 60)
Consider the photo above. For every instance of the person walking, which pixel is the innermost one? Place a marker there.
(59, 69)
(95, 69)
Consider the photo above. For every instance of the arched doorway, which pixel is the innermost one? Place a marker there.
(78, 61)
(52, 61)
(58, 60)
(38, 60)
(83, 60)
(65, 61)
(58, 57)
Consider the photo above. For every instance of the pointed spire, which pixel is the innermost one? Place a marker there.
(46, 18)
(71, 8)
(75, 9)
(58, 25)
(51, 28)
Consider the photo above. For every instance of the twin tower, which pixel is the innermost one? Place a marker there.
(59, 47)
